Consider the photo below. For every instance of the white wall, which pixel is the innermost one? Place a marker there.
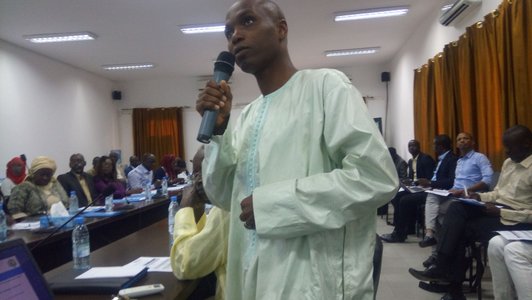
(429, 39)
(168, 92)
(367, 79)
(50, 108)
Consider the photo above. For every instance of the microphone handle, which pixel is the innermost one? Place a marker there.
(207, 126)
(209, 116)
(70, 219)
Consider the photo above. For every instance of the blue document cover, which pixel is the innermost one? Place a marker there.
(101, 214)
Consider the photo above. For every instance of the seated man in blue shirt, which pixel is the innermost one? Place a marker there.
(473, 174)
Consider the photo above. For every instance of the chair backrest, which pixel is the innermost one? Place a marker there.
(377, 264)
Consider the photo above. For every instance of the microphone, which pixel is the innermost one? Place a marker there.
(109, 190)
(223, 69)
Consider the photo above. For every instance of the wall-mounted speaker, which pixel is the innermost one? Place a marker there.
(385, 76)
(116, 95)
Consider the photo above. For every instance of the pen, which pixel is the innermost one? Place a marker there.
(465, 190)
(147, 264)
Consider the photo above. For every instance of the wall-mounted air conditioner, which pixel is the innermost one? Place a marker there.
(458, 8)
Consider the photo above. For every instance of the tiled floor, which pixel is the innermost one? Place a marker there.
(395, 281)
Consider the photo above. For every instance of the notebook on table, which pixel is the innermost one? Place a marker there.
(20, 277)
(67, 282)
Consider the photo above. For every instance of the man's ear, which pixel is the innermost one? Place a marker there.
(282, 29)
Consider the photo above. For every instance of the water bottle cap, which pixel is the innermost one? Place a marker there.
(72, 193)
(79, 220)
(173, 198)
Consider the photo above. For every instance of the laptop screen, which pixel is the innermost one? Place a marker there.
(20, 277)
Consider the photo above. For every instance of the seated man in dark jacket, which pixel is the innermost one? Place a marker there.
(420, 166)
(78, 181)
(408, 203)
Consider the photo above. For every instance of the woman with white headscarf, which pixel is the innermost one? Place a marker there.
(38, 192)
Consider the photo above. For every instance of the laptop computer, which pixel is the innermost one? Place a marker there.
(20, 277)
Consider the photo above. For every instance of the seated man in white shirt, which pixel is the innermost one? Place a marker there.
(143, 173)
(200, 242)
(511, 268)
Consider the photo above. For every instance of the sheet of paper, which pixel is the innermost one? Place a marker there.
(111, 272)
(443, 193)
(133, 198)
(93, 208)
(154, 264)
(26, 225)
(177, 187)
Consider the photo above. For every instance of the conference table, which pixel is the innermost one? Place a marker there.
(56, 250)
(151, 241)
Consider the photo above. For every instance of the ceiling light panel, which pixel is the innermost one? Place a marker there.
(60, 37)
(371, 13)
(128, 66)
(206, 28)
(354, 51)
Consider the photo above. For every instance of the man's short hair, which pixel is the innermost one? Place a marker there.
(443, 140)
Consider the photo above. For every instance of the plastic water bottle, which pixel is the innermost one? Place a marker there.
(164, 186)
(172, 210)
(147, 191)
(3, 224)
(109, 203)
(73, 203)
(80, 245)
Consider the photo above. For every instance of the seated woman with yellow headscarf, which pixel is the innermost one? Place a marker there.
(38, 192)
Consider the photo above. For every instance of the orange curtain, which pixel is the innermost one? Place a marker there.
(158, 131)
(481, 83)
(513, 28)
(423, 108)
(487, 119)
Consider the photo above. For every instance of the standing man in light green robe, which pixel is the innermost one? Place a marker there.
(302, 172)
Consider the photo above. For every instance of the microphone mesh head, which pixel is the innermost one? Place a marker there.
(225, 63)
